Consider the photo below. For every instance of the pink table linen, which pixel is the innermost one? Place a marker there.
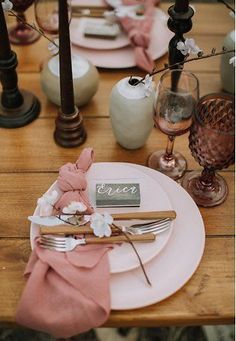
(139, 33)
(67, 293)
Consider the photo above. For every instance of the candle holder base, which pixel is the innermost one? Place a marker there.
(69, 130)
(21, 116)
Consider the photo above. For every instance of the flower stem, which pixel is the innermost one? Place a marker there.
(172, 66)
(135, 250)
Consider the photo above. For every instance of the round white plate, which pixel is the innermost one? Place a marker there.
(153, 198)
(77, 37)
(175, 265)
(124, 57)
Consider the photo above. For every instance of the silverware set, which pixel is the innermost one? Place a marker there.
(65, 237)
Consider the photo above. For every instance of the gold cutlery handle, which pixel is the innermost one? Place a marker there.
(148, 237)
(65, 229)
(145, 215)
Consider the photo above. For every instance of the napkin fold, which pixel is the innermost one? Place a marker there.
(67, 293)
(139, 30)
(72, 181)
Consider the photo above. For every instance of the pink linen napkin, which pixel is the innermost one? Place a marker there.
(139, 33)
(72, 181)
(67, 293)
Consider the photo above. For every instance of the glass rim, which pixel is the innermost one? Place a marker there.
(188, 73)
(212, 96)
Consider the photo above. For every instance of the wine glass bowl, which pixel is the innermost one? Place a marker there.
(20, 34)
(176, 96)
(47, 15)
(212, 144)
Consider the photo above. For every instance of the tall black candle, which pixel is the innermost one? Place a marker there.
(66, 79)
(5, 49)
(181, 6)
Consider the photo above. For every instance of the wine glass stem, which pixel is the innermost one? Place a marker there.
(169, 148)
(206, 179)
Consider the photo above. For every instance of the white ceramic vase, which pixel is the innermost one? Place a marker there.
(131, 112)
(227, 71)
(85, 80)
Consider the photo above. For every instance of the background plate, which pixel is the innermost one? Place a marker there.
(124, 57)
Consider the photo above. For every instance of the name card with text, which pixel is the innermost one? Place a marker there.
(117, 195)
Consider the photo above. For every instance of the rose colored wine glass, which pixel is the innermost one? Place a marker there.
(46, 14)
(21, 34)
(212, 143)
(176, 96)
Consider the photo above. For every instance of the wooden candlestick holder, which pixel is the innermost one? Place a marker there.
(179, 22)
(17, 108)
(69, 131)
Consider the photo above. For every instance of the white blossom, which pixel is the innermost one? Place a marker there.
(232, 60)
(46, 203)
(7, 5)
(53, 46)
(188, 47)
(148, 85)
(100, 223)
(74, 207)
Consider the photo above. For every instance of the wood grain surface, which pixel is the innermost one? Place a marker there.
(30, 160)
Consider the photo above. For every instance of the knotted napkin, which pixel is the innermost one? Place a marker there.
(67, 293)
(139, 29)
(72, 181)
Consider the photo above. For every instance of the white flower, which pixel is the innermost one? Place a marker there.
(100, 223)
(48, 198)
(148, 85)
(46, 203)
(188, 47)
(74, 207)
(232, 61)
(7, 5)
(53, 47)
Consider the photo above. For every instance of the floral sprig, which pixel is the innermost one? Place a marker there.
(199, 56)
(7, 6)
(101, 224)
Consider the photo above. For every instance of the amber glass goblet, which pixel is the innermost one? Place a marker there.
(212, 144)
(176, 97)
(21, 34)
(47, 15)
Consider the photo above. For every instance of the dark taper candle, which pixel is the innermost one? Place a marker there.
(66, 79)
(5, 49)
(181, 6)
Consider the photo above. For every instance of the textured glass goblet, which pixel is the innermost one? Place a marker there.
(212, 144)
(21, 34)
(176, 97)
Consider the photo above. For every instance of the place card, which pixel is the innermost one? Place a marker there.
(117, 195)
(102, 31)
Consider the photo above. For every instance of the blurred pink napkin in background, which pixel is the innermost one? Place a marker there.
(139, 31)
(67, 293)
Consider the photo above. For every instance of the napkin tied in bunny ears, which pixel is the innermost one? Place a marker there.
(72, 181)
(67, 293)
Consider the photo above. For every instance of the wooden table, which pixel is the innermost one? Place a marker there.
(30, 160)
